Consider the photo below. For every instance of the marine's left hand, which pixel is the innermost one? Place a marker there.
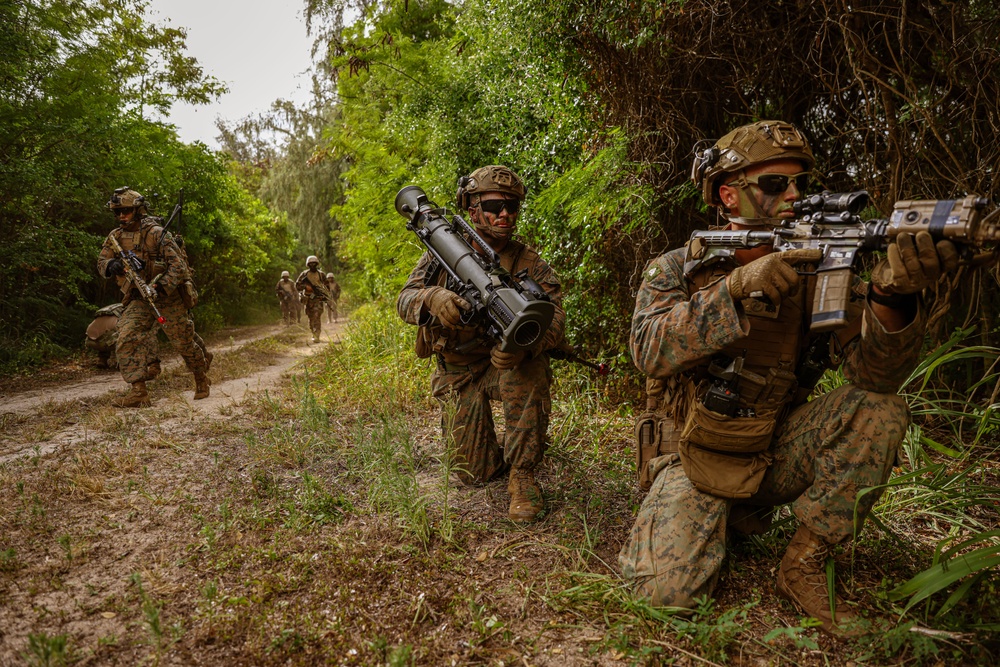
(506, 360)
(913, 263)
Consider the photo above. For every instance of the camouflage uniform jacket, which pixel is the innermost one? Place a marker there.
(676, 327)
(334, 287)
(286, 290)
(161, 259)
(515, 257)
(308, 281)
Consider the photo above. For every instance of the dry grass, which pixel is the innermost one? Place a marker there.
(315, 524)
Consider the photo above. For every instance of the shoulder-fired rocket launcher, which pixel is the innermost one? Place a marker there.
(515, 310)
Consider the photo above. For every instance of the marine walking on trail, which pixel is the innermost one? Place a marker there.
(471, 370)
(154, 263)
(725, 342)
(288, 298)
(312, 284)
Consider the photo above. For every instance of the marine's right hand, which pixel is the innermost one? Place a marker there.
(446, 306)
(771, 276)
(114, 268)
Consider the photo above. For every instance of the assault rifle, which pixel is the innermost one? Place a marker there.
(131, 275)
(567, 352)
(515, 310)
(322, 289)
(831, 222)
(178, 213)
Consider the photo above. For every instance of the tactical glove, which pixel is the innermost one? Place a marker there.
(114, 268)
(770, 276)
(446, 306)
(913, 263)
(506, 360)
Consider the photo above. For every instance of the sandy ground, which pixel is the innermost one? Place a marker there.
(100, 385)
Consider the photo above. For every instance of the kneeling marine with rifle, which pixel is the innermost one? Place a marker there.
(734, 330)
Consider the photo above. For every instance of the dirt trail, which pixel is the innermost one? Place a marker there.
(97, 382)
(93, 457)
(99, 386)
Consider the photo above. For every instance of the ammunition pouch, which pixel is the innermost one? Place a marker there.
(723, 475)
(189, 294)
(726, 456)
(655, 435)
(424, 347)
(656, 430)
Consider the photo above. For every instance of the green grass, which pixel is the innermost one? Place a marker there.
(323, 518)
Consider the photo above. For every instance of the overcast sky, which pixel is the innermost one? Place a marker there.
(259, 48)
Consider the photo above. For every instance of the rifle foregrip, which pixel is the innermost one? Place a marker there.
(831, 299)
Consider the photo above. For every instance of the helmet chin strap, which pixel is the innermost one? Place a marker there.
(762, 219)
(496, 231)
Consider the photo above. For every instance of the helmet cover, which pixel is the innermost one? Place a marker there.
(748, 145)
(125, 197)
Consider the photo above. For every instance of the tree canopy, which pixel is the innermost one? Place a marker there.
(82, 86)
(598, 106)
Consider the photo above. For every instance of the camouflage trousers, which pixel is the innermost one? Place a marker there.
(314, 309)
(289, 310)
(331, 310)
(137, 344)
(198, 340)
(467, 415)
(825, 453)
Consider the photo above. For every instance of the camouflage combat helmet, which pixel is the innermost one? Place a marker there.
(763, 141)
(329, 276)
(312, 259)
(285, 274)
(125, 197)
(494, 178)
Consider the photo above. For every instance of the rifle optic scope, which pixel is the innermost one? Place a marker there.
(851, 203)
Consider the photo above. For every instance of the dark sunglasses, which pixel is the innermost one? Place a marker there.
(494, 206)
(775, 184)
(123, 211)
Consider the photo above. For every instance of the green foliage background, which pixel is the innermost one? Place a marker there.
(82, 88)
(596, 104)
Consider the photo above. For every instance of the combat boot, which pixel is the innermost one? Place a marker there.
(526, 501)
(201, 386)
(137, 397)
(802, 580)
